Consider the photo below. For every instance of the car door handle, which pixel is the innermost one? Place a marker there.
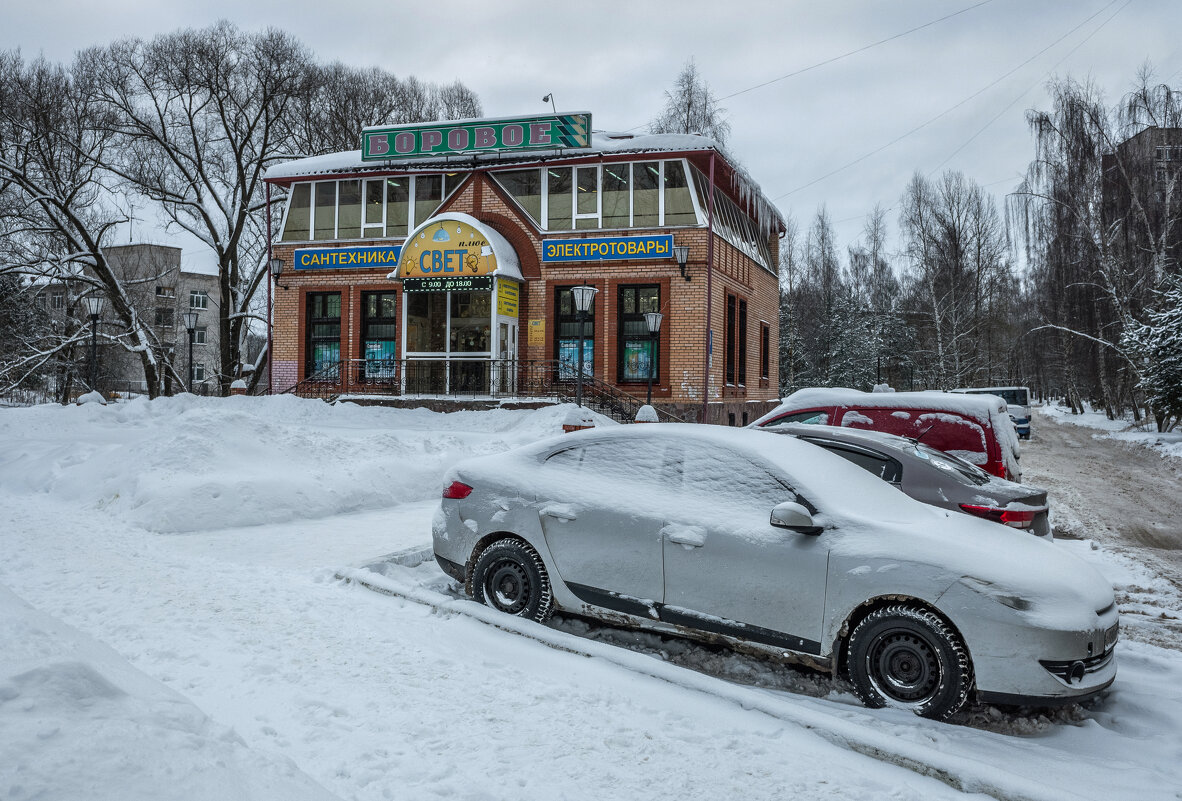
(689, 536)
(559, 512)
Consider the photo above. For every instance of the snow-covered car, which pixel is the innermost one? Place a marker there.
(774, 544)
(975, 428)
(932, 476)
(1017, 401)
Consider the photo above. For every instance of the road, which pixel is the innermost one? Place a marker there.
(1123, 497)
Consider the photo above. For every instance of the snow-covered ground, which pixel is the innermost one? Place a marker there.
(1124, 430)
(176, 628)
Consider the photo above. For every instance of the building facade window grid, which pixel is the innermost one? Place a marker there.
(324, 333)
(566, 335)
(637, 353)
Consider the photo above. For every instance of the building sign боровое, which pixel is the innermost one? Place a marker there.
(375, 257)
(532, 132)
(608, 248)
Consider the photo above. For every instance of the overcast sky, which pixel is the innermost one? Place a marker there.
(616, 59)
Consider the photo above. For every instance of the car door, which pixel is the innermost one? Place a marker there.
(727, 569)
(600, 509)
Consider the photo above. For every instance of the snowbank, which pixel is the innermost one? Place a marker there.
(188, 463)
(77, 721)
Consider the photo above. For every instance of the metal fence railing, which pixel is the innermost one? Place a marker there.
(468, 378)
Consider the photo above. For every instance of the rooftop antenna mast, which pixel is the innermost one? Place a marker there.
(549, 98)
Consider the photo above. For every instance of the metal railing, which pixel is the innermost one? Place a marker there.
(469, 378)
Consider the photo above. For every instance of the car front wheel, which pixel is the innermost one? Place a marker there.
(909, 658)
(509, 576)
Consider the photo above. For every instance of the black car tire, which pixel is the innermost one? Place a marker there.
(909, 658)
(509, 576)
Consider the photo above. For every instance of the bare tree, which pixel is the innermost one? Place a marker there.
(198, 115)
(691, 107)
(54, 139)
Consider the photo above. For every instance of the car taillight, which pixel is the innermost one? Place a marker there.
(1016, 518)
(457, 489)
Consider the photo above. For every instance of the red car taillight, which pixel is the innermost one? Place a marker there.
(456, 490)
(1016, 518)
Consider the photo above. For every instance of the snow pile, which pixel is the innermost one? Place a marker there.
(187, 463)
(1125, 430)
(92, 397)
(77, 721)
(646, 414)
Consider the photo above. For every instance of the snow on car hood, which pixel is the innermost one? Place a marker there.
(1059, 589)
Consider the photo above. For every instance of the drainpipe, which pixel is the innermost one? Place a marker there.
(270, 310)
(709, 292)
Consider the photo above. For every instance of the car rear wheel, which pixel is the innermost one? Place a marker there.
(907, 657)
(509, 576)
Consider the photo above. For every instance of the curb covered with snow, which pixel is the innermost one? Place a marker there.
(970, 776)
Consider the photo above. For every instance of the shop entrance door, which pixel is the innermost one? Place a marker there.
(505, 373)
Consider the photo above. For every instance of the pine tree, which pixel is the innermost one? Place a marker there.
(1158, 345)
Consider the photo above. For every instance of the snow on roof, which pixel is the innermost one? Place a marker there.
(602, 143)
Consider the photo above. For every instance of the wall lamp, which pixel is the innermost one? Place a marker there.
(681, 253)
(277, 270)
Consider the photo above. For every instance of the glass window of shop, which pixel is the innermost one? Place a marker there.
(323, 325)
(426, 322)
(325, 211)
(637, 352)
(428, 196)
(566, 342)
(349, 210)
(397, 206)
(297, 228)
(558, 201)
(646, 194)
(679, 204)
(586, 197)
(524, 186)
(379, 329)
(616, 195)
(471, 317)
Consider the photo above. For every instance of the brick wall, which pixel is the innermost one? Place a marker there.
(683, 303)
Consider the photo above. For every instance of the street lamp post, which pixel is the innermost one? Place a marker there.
(94, 307)
(654, 327)
(584, 296)
(191, 324)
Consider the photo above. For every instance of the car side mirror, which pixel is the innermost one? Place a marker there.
(794, 517)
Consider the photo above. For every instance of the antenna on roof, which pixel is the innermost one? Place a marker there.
(549, 98)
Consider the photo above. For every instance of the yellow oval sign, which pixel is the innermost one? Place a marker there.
(447, 248)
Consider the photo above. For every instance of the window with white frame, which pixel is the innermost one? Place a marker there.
(640, 194)
(165, 291)
(199, 336)
(365, 208)
(199, 371)
(198, 299)
(59, 300)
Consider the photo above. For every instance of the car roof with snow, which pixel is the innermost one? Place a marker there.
(975, 406)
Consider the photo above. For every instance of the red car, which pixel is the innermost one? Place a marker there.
(976, 428)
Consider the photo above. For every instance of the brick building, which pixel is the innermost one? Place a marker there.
(439, 261)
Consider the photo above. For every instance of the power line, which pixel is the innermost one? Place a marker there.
(1028, 89)
(949, 110)
(855, 52)
(862, 49)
